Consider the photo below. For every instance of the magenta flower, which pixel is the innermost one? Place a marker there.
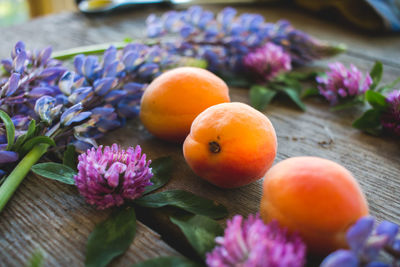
(391, 118)
(106, 177)
(267, 61)
(340, 83)
(251, 243)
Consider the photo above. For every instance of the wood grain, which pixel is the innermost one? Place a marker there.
(45, 214)
(49, 216)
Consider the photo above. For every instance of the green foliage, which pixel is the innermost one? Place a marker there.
(287, 84)
(369, 122)
(111, 238)
(294, 95)
(10, 129)
(261, 96)
(36, 260)
(184, 200)
(162, 169)
(199, 230)
(24, 137)
(303, 76)
(352, 102)
(312, 91)
(70, 159)
(376, 74)
(389, 86)
(55, 171)
(28, 145)
(376, 100)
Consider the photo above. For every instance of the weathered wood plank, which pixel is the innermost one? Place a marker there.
(52, 217)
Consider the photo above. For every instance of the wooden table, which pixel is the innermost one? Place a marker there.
(53, 217)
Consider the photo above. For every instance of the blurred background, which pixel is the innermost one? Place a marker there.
(17, 11)
(370, 15)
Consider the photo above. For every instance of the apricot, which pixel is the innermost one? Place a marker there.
(174, 99)
(315, 197)
(230, 145)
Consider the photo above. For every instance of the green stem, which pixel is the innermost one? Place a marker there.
(95, 49)
(12, 182)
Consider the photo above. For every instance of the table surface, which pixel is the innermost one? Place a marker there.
(53, 217)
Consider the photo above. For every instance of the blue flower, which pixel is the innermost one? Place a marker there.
(366, 245)
(74, 114)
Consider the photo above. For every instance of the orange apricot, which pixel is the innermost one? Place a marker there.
(315, 197)
(230, 145)
(174, 99)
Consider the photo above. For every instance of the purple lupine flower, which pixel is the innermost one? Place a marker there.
(29, 76)
(8, 156)
(365, 245)
(391, 118)
(267, 61)
(47, 109)
(342, 83)
(108, 176)
(225, 39)
(251, 243)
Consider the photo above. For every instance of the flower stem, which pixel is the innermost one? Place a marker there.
(96, 49)
(12, 182)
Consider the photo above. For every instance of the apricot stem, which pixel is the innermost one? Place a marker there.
(214, 147)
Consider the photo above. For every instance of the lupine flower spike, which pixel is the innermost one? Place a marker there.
(366, 245)
(111, 175)
(249, 242)
(341, 83)
(225, 39)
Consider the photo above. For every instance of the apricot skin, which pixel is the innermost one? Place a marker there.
(174, 99)
(315, 197)
(246, 140)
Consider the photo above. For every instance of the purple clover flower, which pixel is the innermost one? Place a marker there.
(108, 176)
(365, 245)
(267, 62)
(391, 118)
(342, 83)
(251, 243)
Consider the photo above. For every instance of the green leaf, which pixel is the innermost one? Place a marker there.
(303, 76)
(284, 80)
(10, 129)
(171, 261)
(184, 200)
(162, 170)
(389, 86)
(376, 74)
(28, 135)
(35, 141)
(238, 82)
(69, 158)
(199, 230)
(294, 95)
(375, 99)
(347, 104)
(312, 91)
(37, 259)
(55, 171)
(369, 122)
(111, 238)
(260, 96)
(128, 40)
